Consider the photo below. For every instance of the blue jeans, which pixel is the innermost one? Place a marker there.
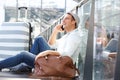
(27, 57)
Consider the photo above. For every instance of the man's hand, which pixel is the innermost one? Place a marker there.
(58, 28)
(46, 53)
(53, 36)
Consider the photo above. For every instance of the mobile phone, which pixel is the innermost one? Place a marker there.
(62, 27)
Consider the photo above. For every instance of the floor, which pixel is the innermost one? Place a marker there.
(6, 75)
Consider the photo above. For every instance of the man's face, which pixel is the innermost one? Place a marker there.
(68, 21)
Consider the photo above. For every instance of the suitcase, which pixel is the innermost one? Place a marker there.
(14, 38)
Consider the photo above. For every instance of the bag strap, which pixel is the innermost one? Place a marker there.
(77, 71)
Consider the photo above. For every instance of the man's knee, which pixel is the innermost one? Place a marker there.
(23, 53)
(39, 38)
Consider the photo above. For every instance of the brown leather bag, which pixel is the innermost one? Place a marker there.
(54, 66)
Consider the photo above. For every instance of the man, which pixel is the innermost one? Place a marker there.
(67, 45)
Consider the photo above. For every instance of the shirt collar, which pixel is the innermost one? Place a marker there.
(73, 31)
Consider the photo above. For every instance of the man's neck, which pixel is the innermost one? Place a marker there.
(70, 29)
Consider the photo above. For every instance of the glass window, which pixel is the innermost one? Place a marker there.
(107, 21)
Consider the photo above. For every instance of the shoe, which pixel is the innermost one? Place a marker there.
(21, 68)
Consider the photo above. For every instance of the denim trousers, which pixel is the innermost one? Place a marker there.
(38, 46)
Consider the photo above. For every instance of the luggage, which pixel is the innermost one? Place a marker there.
(54, 67)
(14, 38)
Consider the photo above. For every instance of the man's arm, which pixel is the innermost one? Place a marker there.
(53, 36)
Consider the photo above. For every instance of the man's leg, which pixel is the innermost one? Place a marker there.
(39, 45)
(25, 57)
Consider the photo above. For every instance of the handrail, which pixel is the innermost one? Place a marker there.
(46, 33)
(88, 66)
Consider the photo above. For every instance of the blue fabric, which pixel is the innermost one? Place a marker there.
(112, 45)
(40, 44)
(27, 57)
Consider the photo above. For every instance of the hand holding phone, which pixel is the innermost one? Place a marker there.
(62, 27)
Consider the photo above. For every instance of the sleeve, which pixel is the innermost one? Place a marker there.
(71, 46)
(54, 46)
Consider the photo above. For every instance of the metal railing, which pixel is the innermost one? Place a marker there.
(47, 32)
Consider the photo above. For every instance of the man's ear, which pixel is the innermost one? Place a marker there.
(73, 22)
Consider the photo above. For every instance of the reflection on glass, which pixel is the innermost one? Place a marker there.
(107, 13)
